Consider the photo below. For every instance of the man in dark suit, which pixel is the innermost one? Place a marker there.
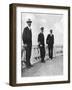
(41, 44)
(27, 41)
(50, 42)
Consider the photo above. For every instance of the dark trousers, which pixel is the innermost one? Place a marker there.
(28, 55)
(42, 53)
(50, 49)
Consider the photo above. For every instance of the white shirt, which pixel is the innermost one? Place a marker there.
(51, 34)
(29, 28)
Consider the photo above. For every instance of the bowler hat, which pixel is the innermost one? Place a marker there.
(29, 21)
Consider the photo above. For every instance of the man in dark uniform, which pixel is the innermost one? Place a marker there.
(41, 44)
(50, 42)
(27, 41)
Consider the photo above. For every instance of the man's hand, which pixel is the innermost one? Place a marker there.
(25, 45)
(40, 45)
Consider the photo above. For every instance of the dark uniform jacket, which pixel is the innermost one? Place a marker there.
(50, 40)
(41, 39)
(27, 36)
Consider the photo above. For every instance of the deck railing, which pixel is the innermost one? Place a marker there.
(35, 54)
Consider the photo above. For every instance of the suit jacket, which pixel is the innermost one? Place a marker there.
(27, 36)
(50, 40)
(41, 39)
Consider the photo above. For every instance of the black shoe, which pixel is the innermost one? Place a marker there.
(51, 58)
(43, 61)
(29, 66)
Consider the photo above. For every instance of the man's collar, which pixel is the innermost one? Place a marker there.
(29, 28)
(51, 34)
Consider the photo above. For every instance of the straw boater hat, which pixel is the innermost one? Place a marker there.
(29, 21)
